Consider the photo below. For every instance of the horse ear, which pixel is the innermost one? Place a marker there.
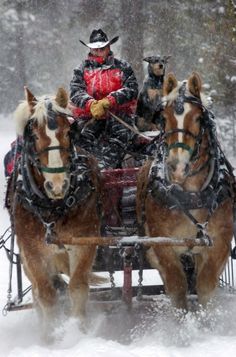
(62, 97)
(195, 84)
(169, 84)
(30, 99)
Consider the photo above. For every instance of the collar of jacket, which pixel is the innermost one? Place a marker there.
(100, 60)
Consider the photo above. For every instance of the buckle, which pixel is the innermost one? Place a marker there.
(70, 201)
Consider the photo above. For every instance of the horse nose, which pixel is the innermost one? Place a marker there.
(48, 185)
(56, 189)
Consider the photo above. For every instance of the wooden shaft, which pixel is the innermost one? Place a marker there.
(129, 241)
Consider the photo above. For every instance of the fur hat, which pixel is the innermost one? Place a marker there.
(98, 39)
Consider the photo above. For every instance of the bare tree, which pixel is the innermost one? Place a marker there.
(20, 57)
(131, 15)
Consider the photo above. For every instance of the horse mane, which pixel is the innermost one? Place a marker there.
(172, 96)
(23, 112)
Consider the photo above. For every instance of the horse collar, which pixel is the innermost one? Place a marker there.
(174, 197)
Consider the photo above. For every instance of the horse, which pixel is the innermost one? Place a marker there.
(54, 193)
(186, 191)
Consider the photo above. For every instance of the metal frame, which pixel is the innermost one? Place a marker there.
(227, 279)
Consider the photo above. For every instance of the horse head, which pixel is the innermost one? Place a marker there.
(45, 127)
(183, 126)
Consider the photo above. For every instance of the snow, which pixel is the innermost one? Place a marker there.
(221, 10)
(157, 332)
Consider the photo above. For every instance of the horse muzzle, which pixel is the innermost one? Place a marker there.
(177, 171)
(56, 189)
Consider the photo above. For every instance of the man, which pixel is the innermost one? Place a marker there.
(102, 85)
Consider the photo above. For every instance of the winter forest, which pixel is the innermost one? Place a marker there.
(40, 45)
(39, 48)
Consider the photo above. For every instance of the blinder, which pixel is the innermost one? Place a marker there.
(179, 102)
(51, 116)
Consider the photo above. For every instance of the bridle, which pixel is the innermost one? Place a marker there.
(34, 198)
(217, 187)
(207, 124)
(33, 156)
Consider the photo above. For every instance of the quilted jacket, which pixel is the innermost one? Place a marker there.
(97, 79)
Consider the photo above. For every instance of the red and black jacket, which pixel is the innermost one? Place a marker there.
(113, 79)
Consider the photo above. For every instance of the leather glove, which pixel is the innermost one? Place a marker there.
(98, 108)
(105, 102)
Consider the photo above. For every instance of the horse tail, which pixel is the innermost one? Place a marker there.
(95, 279)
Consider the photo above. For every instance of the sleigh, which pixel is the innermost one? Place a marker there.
(120, 251)
(118, 228)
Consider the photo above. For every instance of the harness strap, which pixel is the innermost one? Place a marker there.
(54, 170)
(184, 146)
(51, 148)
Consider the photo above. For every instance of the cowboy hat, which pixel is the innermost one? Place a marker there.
(98, 39)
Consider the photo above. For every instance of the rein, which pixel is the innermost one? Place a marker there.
(52, 170)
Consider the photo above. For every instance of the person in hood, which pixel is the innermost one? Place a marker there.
(102, 85)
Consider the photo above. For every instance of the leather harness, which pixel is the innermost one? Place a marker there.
(34, 199)
(221, 183)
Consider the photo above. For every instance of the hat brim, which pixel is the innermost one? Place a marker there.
(100, 44)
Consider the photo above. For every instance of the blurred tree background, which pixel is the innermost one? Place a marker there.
(40, 45)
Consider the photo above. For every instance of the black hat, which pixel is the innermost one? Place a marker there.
(98, 39)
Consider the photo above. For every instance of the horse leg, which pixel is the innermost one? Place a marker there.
(44, 293)
(209, 268)
(212, 260)
(81, 260)
(172, 273)
(46, 299)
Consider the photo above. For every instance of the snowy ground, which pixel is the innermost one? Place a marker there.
(152, 333)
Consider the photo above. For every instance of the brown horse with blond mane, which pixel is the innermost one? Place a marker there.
(187, 191)
(54, 193)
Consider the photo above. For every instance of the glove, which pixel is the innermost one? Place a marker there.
(105, 102)
(98, 108)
